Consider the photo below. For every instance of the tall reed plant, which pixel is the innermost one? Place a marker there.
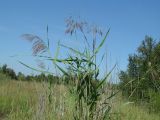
(82, 71)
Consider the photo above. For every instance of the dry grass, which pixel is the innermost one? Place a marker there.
(29, 101)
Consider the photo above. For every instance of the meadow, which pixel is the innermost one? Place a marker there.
(28, 101)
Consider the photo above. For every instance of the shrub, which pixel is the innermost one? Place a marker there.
(154, 103)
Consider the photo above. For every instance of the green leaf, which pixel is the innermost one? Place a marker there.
(73, 50)
(101, 44)
(32, 68)
(47, 37)
(62, 70)
(57, 50)
(100, 84)
(42, 56)
(101, 60)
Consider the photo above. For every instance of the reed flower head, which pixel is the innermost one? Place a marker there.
(38, 45)
(73, 25)
(95, 30)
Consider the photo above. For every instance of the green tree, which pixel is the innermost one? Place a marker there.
(21, 76)
(143, 71)
(4, 68)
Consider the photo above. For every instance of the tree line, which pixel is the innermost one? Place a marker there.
(20, 76)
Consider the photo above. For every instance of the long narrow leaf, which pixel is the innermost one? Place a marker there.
(101, 44)
(105, 77)
(48, 42)
(73, 50)
(57, 50)
(34, 68)
(62, 70)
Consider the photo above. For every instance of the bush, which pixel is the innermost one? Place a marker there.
(154, 103)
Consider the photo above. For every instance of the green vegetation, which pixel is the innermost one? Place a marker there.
(142, 80)
(28, 100)
(8, 72)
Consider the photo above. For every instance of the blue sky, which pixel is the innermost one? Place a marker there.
(129, 20)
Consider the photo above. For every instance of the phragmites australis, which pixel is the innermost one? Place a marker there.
(38, 45)
(72, 25)
(96, 31)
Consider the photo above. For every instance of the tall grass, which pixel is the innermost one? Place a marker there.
(28, 100)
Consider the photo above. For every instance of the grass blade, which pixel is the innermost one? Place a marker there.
(34, 68)
(101, 44)
(105, 77)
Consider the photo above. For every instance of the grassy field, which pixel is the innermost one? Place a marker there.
(29, 101)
